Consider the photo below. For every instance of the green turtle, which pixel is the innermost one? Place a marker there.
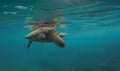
(45, 34)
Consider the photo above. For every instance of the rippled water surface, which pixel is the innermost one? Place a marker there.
(92, 40)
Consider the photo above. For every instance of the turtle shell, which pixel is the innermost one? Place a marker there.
(39, 30)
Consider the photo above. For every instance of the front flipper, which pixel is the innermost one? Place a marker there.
(29, 44)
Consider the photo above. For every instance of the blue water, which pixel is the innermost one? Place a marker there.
(92, 41)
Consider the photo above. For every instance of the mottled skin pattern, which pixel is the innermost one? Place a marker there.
(38, 33)
(45, 34)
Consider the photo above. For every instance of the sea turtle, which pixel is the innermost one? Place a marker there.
(45, 34)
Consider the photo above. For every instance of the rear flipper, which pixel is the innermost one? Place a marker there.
(59, 41)
(29, 44)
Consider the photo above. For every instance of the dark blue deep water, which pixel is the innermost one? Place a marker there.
(92, 40)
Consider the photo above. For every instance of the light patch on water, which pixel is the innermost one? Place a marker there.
(62, 26)
(13, 13)
(29, 21)
(31, 8)
(29, 18)
(68, 2)
(5, 6)
(21, 7)
(6, 12)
